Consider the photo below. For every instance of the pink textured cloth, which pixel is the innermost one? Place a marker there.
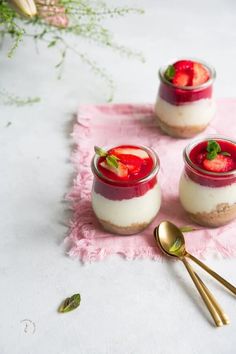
(109, 125)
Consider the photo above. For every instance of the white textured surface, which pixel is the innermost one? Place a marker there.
(190, 114)
(127, 307)
(128, 211)
(196, 198)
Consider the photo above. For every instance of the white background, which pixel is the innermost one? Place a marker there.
(127, 307)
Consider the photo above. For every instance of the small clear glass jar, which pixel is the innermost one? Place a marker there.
(126, 207)
(209, 198)
(184, 111)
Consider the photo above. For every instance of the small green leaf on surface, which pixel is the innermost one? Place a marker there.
(188, 228)
(170, 73)
(70, 304)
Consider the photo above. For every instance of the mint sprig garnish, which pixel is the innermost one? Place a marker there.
(111, 160)
(213, 149)
(99, 151)
(170, 72)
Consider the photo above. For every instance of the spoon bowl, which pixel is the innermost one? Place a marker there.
(170, 239)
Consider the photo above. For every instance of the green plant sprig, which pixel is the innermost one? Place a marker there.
(85, 21)
(14, 100)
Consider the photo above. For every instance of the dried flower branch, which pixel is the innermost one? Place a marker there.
(53, 20)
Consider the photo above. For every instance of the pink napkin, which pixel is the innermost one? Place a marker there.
(108, 125)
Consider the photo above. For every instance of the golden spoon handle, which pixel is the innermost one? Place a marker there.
(201, 291)
(213, 274)
(222, 314)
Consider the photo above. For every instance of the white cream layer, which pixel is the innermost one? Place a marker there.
(128, 211)
(196, 198)
(189, 114)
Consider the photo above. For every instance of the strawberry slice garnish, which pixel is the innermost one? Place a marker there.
(187, 73)
(121, 170)
(182, 78)
(124, 162)
(183, 73)
(134, 163)
(129, 151)
(220, 163)
(200, 74)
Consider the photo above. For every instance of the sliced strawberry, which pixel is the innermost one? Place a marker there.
(182, 78)
(121, 171)
(220, 163)
(183, 73)
(200, 74)
(133, 162)
(184, 65)
(129, 151)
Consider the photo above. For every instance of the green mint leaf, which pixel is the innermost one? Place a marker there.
(188, 228)
(211, 155)
(225, 153)
(100, 152)
(176, 245)
(212, 145)
(112, 161)
(70, 303)
(170, 73)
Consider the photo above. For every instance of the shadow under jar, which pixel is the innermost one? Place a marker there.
(208, 197)
(127, 207)
(185, 111)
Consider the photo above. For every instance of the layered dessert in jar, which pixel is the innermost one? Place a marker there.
(126, 194)
(207, 188)
(184, 105)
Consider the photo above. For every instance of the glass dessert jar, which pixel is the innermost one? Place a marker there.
(207, 187)
(184, 105)
(126, 197)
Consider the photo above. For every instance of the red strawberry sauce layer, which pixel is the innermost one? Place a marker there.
(178, 96)
(204, 177)
(113, 187)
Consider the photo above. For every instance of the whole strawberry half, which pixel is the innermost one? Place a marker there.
(183, 73)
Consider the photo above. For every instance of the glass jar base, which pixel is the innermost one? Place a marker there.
(222, 215)
(182, 132)
(123, 230)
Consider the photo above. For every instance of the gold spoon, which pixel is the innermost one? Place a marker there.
(223, 281)
(171, 241)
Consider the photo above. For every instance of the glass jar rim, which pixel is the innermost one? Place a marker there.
(188, 88)
(153, 172)
(196, 168)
